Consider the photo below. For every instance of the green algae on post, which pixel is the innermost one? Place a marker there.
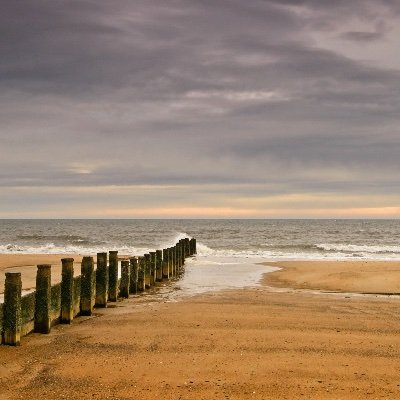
(12, 309)
(141, 274)
(165, 264)
(158, 266)
(113, 276)
(125, 279)
(43, 299)
(147, 271)
(101, 280)
(133, 287)
(67, 290)
(87, 285)
(152, 268)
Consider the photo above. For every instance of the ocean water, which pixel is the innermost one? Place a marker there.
(258, 239)
(229, 252)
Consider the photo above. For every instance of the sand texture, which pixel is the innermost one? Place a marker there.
(338, 276)
(243, 344)
(26, 264)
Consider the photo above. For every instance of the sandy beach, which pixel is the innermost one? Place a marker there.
(26, 264)
(338, 276)
(256, 343)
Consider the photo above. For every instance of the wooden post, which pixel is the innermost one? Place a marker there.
(173, 252)
(176, 259)
(42, 322)
(125, 279)
(141, 274)
(180, 248)
(165, 265)
(187, 247)
(169, 261)
(159, 265)
(67, 290)
(193, 247)
(87, 285)
(101, 280)
(181, 254)
(147, 270)
(134, 275)
(12, 309)
(113, 276)
(152, 264)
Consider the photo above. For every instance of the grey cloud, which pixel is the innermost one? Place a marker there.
(359, 36)
(362, 36)
(201, 93)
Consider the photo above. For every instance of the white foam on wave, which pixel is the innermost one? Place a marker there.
(175, 239)
(358, 248)
(322, 252)
(51, 248)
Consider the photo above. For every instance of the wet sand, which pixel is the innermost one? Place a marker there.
(234, 344)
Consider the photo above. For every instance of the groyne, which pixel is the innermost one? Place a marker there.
(97, 285)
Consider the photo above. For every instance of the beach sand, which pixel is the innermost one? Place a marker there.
(26, 264)
(241, 344)
(338, 276)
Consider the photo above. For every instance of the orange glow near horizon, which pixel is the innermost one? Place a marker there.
(193, 202)
(229, 212)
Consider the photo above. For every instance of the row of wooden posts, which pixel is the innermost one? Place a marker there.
(93, 288)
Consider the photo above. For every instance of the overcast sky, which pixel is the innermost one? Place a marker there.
(219, 108)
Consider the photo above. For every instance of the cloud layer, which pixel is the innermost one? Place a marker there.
(232, 108)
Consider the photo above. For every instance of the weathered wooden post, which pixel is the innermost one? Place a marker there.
(134, 275)
(176, 259)
(165, 264)
(67, 290)
(179, 258)
(101, 280)
(187, 247)
(87, 285)
(141, 274)
(113, 276)
(186, 243)
(12, 309)
(159, 265)
(42, 322)
(181, 254)
(193, 247)
(147, 270)
(125, 279)
(152, 268)
(173, 252)
(170, 261)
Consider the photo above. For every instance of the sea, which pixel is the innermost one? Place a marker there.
(229, 251)
(326, 239)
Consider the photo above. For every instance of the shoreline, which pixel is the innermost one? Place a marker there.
(338, 276)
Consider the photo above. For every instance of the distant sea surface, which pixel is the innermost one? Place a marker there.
(261, 239)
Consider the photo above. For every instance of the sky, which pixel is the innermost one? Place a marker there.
(200, 109)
